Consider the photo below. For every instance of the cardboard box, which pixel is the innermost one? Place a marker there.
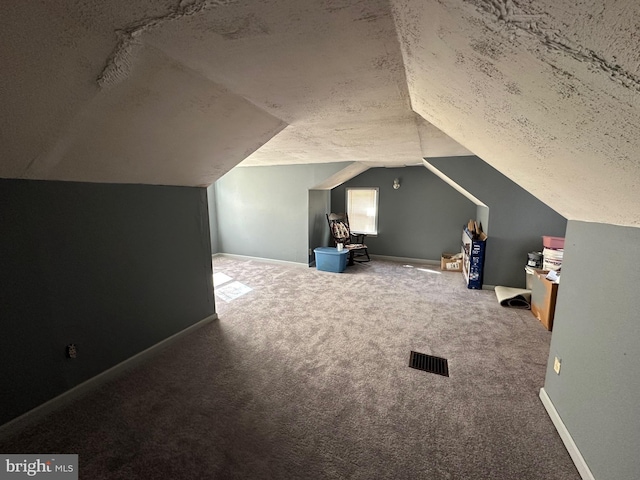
(543, 298)
(473, 248)
(451, 262)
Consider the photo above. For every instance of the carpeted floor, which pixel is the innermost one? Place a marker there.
(305, 375)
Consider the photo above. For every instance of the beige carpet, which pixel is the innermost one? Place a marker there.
(306, 375)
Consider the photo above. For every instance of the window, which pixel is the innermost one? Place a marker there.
(362, 208)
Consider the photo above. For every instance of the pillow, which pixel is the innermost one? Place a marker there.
(340, 230)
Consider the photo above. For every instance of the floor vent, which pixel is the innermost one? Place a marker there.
(429, 363)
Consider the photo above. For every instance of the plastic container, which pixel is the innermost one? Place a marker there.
(552, 259)
(329, 259)
(534, 259)
(553, 242)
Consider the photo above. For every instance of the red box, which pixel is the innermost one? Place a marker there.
(557, 243)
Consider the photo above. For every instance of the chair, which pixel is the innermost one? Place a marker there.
(341, 233)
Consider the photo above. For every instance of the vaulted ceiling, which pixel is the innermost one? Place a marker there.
(179, 92)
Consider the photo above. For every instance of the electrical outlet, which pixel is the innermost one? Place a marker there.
(72, 350)
(556, 365)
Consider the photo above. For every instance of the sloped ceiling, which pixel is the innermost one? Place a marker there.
(547, 92)
(179, 92)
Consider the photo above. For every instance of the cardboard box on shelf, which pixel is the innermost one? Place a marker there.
(543, 298)
(451, 262)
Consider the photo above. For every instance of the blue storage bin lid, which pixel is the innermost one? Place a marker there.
(329, 251)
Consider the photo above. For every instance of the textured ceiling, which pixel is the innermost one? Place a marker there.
(178, 92)
(547, 92)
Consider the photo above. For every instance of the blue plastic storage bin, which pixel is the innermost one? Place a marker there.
(329, 259)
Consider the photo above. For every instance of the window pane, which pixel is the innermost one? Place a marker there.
(362, 208)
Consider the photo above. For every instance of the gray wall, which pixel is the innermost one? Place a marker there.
(264, 212)
(213, 218)
(517, 219)
(319, 206)
(422, 219)
(597, 335)
(114, 269)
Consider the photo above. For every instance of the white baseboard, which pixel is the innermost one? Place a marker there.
(260, 259)
(67, 397)
(420, 261)
(576, 456)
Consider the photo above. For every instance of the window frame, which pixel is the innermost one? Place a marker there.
(377, 209)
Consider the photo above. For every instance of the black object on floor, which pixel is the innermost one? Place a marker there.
(429, 363)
